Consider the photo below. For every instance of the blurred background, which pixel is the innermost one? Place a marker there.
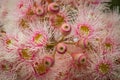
(114, 4)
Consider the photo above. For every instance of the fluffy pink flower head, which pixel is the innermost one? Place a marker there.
(37, 35)
(89, 24)
(8, 42)
(84, 30)
(103, 67)
(26, 53)
(109, 45)
(39, 38)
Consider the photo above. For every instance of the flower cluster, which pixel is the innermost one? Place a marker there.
(59, 40)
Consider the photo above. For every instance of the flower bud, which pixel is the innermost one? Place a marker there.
(39, 11)
(53, 7)
(61, 48)
(79, 58)
(48, 61)
(65, 29)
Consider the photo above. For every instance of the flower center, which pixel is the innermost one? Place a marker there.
(39, 11)
(61, 48)
(104, 68)
(58, 20)
(8, 42)
(56, 7)
(84, 30)
(40, 69)
(47, 63)
(108, 45)
(23, 24)
(83, 60)
(25, 54)
(38, 38)
(5, 67)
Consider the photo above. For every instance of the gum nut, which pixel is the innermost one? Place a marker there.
(79, 58)
(39, 11)
(48, 61)
(65, 29)
(61, 48)
(53, 7)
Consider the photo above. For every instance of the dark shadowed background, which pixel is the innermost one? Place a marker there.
(114, 4)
